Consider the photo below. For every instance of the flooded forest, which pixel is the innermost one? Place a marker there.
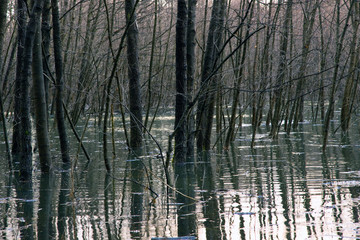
(179, 119)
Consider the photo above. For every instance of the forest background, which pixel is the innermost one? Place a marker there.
(206, 60)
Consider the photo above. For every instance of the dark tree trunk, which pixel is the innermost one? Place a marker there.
(40, 104)
(45, 33)
(59, 83)
(191, 66)
(181, 89)
(3, 10)
(25, 153)
(21, 26)
(134, 76)
(281, 73)
(206, 104)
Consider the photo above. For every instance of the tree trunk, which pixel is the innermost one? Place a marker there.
(181, 83)
(350, 90)
(3, 10)
(21, 20)
(206, 104)
(339, 47)
(40, 104)
(59, 83)
(134, 76)
(25, 118)
(191, 67)
(281, 73)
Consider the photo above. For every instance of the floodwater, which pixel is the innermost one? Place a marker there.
(284, 189)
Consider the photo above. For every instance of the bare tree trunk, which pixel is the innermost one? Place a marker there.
(181, 83)
(40, 104)
(45, 33)
(206, 104)
(25, 118)
(339, 47)
(350, 91)
(239, 76)
(134, 76)
(281, 73)
(21, 20)
(3, 10)
(150, 76)
(59, 83)
(191, 67)
(309, 20)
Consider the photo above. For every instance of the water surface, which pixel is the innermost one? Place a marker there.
(284, 189)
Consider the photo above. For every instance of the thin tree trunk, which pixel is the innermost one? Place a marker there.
(338, 53)
(281, 73)
(45, 32)
(309, 20)
(349, 92)
(239, 76)
(149, 80)
(59, 83)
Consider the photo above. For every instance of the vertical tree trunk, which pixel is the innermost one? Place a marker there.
(281, 73)
(206, 104)
(181, 83)
(239, 77)
(59, 83)
(40, 104)
(350, 90)
(309, 20)
(191, 67)
(149, 80)
(134, 76)
(45, 33)
(21, 20)
(339, 47)
(3, 10)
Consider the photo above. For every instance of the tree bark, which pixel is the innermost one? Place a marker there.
(206, 104)
(21, 20)
(181, 83)
(25, 153)
(134, 76)
(59, 83)
(281, 73)
(3, 10)
(191, 67)
(40, 104)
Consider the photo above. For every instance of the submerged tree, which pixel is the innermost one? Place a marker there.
(59, 83)
(3, 11)
(134, 76)
(25, 151)
(206, 103)
(181, 83)
(40, 104)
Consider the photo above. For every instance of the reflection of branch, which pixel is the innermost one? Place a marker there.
(136, 182)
